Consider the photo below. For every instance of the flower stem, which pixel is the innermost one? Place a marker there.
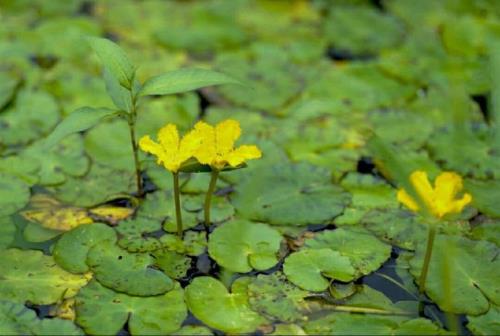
(138, 178)
(428, 253)
(178, 215)
(208, 196)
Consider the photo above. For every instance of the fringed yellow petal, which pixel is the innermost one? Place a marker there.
(421, 184)
(226, 134)
(447, 185)
(207, 152)
(149, 146)
(190, 144)
(168, 136)
(407, 200)
(241, 154)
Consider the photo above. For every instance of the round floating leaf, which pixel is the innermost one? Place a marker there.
(361, 324)
(487, 229)
(365, 252)
(16, 319)
(64, 159)
(473, 269)
(485, 196)
(140, 234)
(101, 311)
(289, 194)
(241, 246)
(35, 113)
(309, 267)
(193, 243)
(22, 167)
(193, 330)
(14, 194)
(288, 329)
(369, 192)
(32, 276)
(126, 272)
(35, 233)
(7, 231)
(70, 251)
(210, 302)
(486, 324)
(277, 299)
(174, 265)
(99, 185)
(362, 29)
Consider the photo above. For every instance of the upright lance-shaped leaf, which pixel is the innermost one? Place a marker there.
(183, 80)
(114, 59)
(79, 120)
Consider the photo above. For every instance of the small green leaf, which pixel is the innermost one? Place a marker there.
(114, 59)
(183, 80)
(79, 120)
(119, 95)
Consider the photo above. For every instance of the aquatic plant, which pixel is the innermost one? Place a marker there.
(125, 91)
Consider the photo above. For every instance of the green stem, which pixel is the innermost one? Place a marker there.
(208, 196)
(178, 215)
(427, 258)
(138, 178)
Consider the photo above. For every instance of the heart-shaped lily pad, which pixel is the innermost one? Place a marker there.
(473, 269)
(365, 252)
(65, 159)
(70, 251)
(139, 234)
(485, 196)
(100, 184)
(101, 311)
(276, 298)
(241, 246)
(289, 194)
(486, 324)
(7, 231)
(210, 302)
(174, 265)
(14, 194)
(16, 319)
(127, 272)
(32, 276)
(193, 244)
(309, 267)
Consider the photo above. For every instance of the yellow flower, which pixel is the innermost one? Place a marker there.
(439, 200)
(217, 145)
(170, 151)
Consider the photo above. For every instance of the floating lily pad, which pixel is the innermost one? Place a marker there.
(310, 269)
(362, 30)
(99, 185)
(7, 231)
(16, 319)
(161, 314)
(174, 265)
(241, 246)
(65, 159)
(32, 276)
(488, 229)
(126, 272)
(35, 233)
(485, 196)
(288, 329)
(70, 251)
(289, 194)
(7, 88)
(210, 302)
(14, 194)
(34, 115)
(22, 167)
(473, 269)
(365, 252)
(360, 324)
(277, 299)
(486, 324)
(193, 243)
(139, 234)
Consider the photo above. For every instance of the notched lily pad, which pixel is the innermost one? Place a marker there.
(174, 265)
(486, 324)
(16, 319)
(70, 251)
(310, 269)
(210, 302)
(365, 252)
(241, 246)
(102, 311)
(127, 272)
(28, 275)
(139, 234)
(289, 194)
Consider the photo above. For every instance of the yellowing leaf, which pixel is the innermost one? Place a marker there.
(111, 214)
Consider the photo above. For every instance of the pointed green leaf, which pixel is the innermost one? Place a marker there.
(183, 80)
(114, 59)
(79, 120)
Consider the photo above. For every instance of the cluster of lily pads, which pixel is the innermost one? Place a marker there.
(356, 106)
